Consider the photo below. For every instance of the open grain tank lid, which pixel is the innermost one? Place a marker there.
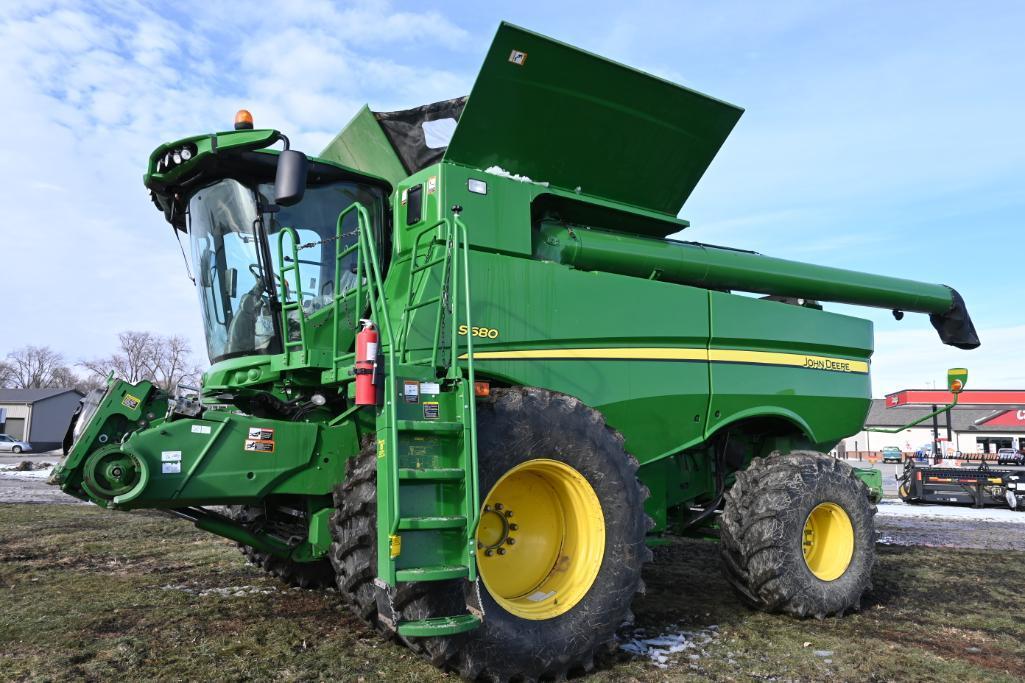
(557, 114)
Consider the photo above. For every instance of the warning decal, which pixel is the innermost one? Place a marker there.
(262, 433)
(256, 446)
(431, 410)
(411, 391)
(131, 402)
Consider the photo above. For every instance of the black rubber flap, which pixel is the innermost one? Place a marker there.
(955, 326)
(405, 131)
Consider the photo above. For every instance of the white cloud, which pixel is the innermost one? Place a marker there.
(91, 89)
(915, 359)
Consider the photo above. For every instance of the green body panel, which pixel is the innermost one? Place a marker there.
(576, 120)
(362, 145)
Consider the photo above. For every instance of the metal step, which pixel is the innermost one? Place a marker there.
(429, 426)
(438, 572)
(439, 626)
(433, 474)
(432, 522)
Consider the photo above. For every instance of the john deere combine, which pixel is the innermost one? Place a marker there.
(460, 372)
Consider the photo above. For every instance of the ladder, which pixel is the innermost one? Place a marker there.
(427, 497)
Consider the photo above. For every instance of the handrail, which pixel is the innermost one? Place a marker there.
(470, 390)
(286, 306)
(414, 269)
(384, 323)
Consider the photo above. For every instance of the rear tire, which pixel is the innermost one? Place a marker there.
(798, 535)
(310, 575)
(16, 450)
(516, 428)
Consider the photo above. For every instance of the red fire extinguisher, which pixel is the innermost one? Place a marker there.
(366, 364)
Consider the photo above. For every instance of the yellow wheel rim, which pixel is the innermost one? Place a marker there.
(828, 541)
(541, 539)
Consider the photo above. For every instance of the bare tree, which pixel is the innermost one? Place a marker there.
(36, 367)
(165, 361)
(174, 365)
(6, 374)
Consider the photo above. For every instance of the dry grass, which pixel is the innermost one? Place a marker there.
(92, 595)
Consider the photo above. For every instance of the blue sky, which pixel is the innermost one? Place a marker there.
(884, 137)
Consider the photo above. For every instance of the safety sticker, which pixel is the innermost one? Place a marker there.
(261, 433)
(170, 456)
(411, 391)
(171, 468)
(430, 388)
(432, 410)
(256, 446)
(405, 197)
(380, 448)
(517, 57)
(200, 429)
(131, 402)
(432, 184)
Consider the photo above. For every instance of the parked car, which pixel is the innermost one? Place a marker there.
(10, 444)
(892, 454)
(1009, 456)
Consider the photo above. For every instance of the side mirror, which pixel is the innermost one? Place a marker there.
(956, 379)
(290, 179)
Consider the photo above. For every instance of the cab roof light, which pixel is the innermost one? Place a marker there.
(243, 120)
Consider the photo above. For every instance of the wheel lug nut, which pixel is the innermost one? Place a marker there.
(511, 541)
(514, 527)
(489, 552)
(508, 513)
(487, 508)
(498, 506)
(479, 545)
(501, 551)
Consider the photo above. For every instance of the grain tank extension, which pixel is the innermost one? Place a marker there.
(459, 371)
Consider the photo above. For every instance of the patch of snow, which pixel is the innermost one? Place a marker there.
(659, 648)
(499, 171)
(898, 508)
(226, 592)
(12, 472)
(886, 539)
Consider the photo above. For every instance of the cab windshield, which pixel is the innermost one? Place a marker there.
(235, 258)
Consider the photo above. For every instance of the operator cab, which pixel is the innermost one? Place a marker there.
(227, 207)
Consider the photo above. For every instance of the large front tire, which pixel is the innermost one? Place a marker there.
(538, 451)
(798, 535)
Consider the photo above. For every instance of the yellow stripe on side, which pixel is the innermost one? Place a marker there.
(594, 354)
(796, 360)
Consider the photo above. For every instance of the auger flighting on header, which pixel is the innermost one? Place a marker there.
(553, 387)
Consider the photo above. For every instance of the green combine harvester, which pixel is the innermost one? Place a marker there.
(460, 372)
